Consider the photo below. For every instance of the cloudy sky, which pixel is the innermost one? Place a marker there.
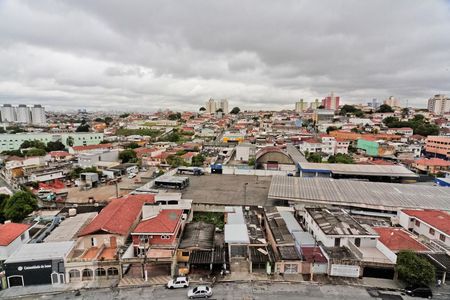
(146, 55)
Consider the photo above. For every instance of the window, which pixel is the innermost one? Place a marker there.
(185, 253)
(74, 274)
(22, 236)
(87, 274)
(357, 242)
(417, 223)
(100, 272)
(290, 268)
(337, 242)
(431, 231)
(113, 271)
(165, 237)
(442, 237)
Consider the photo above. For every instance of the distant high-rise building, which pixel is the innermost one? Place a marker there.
(23, 114)
(223, 104)
(301, 106)
(38, 115)
(439, 104)
(331, 102)
(374, 104)
(392, 101)
(8, 113)
(212, 106)
(315, 104)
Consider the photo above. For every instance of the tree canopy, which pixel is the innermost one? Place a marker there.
(235, 110)
(174, 116)
(55, 146)
(418, 124)
(350, 109)
(19, 206)
(340, 158)
(413, 269)
(202, 109)
(198, 160)
(127, 155)
(84, 127)
(384, 108)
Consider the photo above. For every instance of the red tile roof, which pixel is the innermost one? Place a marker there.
(398, 239)
(165, 222)
(433, 162)
(11, 231)
(59, 153)
(92, 147)
(118, 216)
(436, 218)
(313, 254)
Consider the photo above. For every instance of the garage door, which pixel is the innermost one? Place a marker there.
(15, 281)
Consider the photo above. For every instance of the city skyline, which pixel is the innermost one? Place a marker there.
(160, 55)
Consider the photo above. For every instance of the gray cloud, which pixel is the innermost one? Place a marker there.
(259, 54)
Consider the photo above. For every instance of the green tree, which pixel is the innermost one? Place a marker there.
(36, 152)
(32, 144)
(175, 161)
(252, 161)
(3, 199)
(314, 157)
(198, 160)
(132, 145)
(55, 146)
(99, 120)
(173, 137)
(174, 116)
(124, 116)
(19, 206)
(108, 120)
(235, 110)
(69, 141)
(341, 159)
(181, 152)
(405, 112)
(202, 109)
(413, 269)
(127, 155)
(331, 128)
(219, 110)
(84, 127)
(2, 130)
(384, 108)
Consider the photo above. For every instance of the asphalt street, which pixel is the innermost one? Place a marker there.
(225, 291)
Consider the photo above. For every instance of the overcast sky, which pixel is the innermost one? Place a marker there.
(146, 55)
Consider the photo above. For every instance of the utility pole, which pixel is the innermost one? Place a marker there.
(245, 193)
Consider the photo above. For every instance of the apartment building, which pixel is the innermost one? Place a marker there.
(439, 104)
(438, 146)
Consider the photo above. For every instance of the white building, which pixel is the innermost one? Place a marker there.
(211, 106)
(38, 115)
(23, 114)
(223, 104)
(439, 104)
(301, 106)
(245, 151)
(12, 237)
(7, 113)
(392, 101)
(432, 224)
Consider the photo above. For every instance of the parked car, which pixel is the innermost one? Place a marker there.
(178, 282)
(419, 291)
(201, 291)
(131, 175)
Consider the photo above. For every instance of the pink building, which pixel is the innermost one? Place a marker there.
(331, 102)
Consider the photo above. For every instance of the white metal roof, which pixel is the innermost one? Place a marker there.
(41, 251)
(236, 234)
(355, 169)
(373, 195)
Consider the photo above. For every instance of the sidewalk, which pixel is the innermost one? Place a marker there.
(27, 291)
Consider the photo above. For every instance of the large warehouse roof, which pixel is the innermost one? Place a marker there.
(355, 169)
(373, 195)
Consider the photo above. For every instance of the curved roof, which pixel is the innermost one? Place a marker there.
(272, 149)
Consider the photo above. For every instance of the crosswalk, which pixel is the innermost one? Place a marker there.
(136, 281)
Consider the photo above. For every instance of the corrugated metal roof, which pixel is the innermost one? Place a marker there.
(41, 251)
(355, 169)
(374, 195)
(236, 234)
(295, 154)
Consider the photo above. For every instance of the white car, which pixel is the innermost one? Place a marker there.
(201, 291)
(178, 282)
(131, 175)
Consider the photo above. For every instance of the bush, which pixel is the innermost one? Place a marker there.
(19, 206)
(413, 269)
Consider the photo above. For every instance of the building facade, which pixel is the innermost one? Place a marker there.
(13, 141)
(331, 102)
(439, 104)
(23, 114)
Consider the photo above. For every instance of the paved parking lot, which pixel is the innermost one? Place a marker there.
(228, 189)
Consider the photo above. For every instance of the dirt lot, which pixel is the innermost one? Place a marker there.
(228, 189)
(106, 192)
